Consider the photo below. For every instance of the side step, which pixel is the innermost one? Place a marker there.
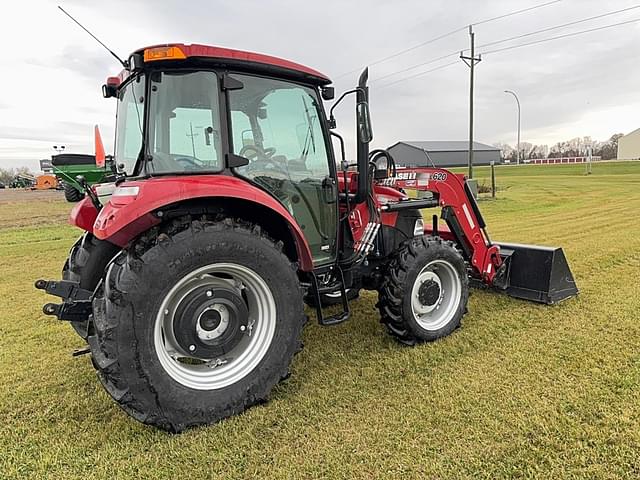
(316, 291)
(536, 273)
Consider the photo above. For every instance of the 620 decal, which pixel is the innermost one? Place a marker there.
(439, 176)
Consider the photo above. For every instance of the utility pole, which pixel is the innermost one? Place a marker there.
(471, 63)
(192, 136)
(518, 102)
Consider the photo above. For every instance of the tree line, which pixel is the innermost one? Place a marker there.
(8, 174)
(576, 147)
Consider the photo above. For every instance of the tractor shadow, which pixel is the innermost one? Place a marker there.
(360, 350)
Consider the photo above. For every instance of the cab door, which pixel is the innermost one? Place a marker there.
(277, 126)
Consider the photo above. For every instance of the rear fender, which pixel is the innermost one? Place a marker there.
(136, 206)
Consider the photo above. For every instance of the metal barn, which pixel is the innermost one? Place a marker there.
(442, 153)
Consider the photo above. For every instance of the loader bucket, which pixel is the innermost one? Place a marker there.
(536, 273)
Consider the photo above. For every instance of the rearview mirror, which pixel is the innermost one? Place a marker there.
(328, 93)
(365, 133)
(110, 89)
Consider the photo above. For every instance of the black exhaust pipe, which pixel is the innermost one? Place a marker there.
(362, 97)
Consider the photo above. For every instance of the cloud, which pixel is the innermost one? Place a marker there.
(79, 60)
(564, 86)
(43, 132)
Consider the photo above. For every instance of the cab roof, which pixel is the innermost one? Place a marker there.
(237, 58)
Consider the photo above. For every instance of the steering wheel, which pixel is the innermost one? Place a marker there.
(259, 158)
(253, 152)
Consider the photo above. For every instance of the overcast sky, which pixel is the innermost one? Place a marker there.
(577, 86)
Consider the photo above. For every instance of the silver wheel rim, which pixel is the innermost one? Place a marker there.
(435, 316)
(217, 373)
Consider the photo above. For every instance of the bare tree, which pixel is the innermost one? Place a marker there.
(8, 174)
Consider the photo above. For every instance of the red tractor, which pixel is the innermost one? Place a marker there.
(230, 210)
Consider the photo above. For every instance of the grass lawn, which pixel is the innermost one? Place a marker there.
(521, 391)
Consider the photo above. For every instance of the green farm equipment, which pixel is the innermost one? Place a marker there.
(68, 166)
(23, 180)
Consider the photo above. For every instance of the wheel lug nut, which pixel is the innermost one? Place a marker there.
(192, 348)
(242, 328)
(166, 311)
(209, 293)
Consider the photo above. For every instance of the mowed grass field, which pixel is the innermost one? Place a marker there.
(521, 391)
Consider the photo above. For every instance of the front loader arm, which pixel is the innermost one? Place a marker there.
(460, 211)
(531, 272)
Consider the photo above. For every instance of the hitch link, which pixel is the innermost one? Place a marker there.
(77, 301)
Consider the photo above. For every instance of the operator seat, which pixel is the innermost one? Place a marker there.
(297, 165)
(163, 162)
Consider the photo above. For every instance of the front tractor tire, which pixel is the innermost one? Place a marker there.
(196, 322)
(72, 194)
(424, 295)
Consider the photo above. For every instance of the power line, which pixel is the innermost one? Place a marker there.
(561, 36)
(406, 50)
(418, 74)
(412, 67)
(433, 60)
(516, 12)
(576, 22)
(514, 47)
(440, 37)
(402, 52)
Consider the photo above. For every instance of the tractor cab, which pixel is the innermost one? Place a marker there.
(196, 110)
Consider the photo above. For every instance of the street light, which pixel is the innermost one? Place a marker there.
(518, 102)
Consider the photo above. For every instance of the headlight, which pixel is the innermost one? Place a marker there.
(124, 195)
(126, 191)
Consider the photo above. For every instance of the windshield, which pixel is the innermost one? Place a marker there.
(129, 124)
(184, 123)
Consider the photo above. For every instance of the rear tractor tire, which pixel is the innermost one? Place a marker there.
(72, 194)
(196, 322)
(424, 295)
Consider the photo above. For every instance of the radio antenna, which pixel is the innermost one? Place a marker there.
(122, 62)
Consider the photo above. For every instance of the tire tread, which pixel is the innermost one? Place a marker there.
(395, 287)
(111, 299)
